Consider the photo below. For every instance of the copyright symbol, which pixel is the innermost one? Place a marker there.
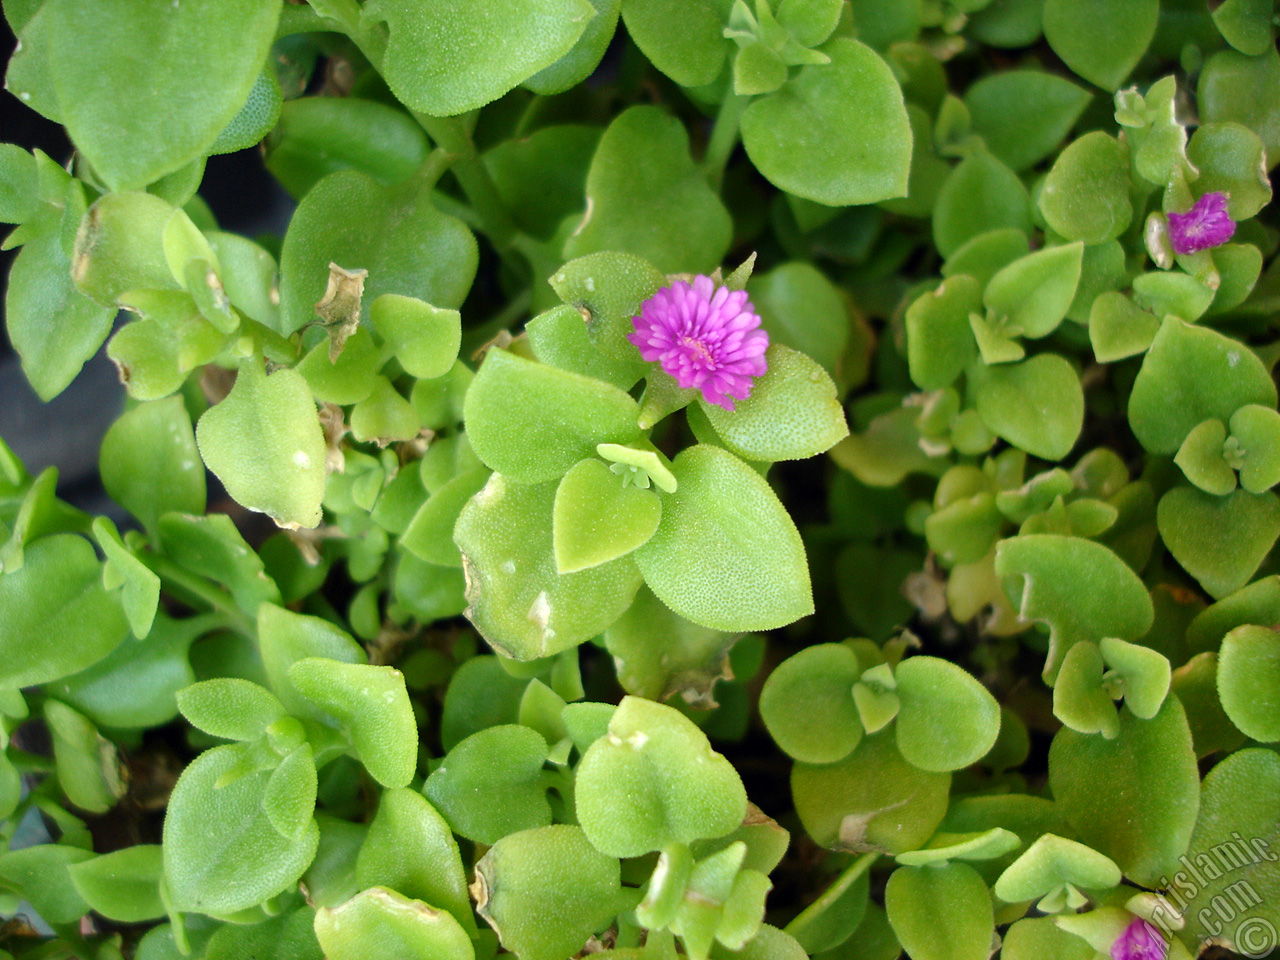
(1255, 938)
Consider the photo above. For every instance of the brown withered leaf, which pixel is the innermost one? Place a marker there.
(339, 308)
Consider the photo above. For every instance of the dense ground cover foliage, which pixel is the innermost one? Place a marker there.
(707, 478)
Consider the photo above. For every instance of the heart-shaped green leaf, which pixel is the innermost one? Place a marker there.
(230, 707)
(383, 416)
(1024, 114)
(551, 871)
(1031, 939)
(584, 56)
(559, 338)
(871, 800)
(726, 554)
(1102, 56)
(372, 705)
(396, 233)
(801, 308)
(1171, 292)
(491, 784)
(516, 599)
(1051, 862)
(41, 873)
(531, 422)
(1119, 328)
(1080, 700)
(793, 412)
(134, 686)
(98, 89)
(149, 462)
(1257, 430)
(939, 342)
(807, 704)
(940, 912)
(965, 530)
(691, 56)
(429, 535)
(654, 780)
(947, 719)
(646, 196)
(425, 338)
(1248, 673)
(284, 638)
(1086, 194)
(657, 653)
(1240, 89)
(982, 256)
(410, 848)
(1081, 589)
(1037, 405)
(1192, 374)
(264, 442)
(40, 286)
(1133, 798)
(1144, 672)
(320, 135)
(1231, 160)
(597, 519)
(221, 852)
(380, 924)
(86, 763)
(1220, 541)
(1201, 459)
(123, 885)
(57, 592)
(1245, 24)
(836, 133)
(980, 195)
(1032, 294)
(120, 246)
(1259, 602)
(1240, 801)
(447, 58)
(609, 289)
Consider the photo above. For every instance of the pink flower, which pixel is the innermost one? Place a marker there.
(1205, 225)
(705, 336)
(1140, 941)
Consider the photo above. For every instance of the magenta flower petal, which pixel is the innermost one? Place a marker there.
(1205, 225)
(1140, 941)
(706, 337)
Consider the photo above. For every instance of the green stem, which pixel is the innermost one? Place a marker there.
(438, 161)
(452, 135)
(194, 586)
(448, 132)
(25, 762)
(724, 137)
(832, 893)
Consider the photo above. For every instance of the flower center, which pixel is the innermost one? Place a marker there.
(698, 353)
